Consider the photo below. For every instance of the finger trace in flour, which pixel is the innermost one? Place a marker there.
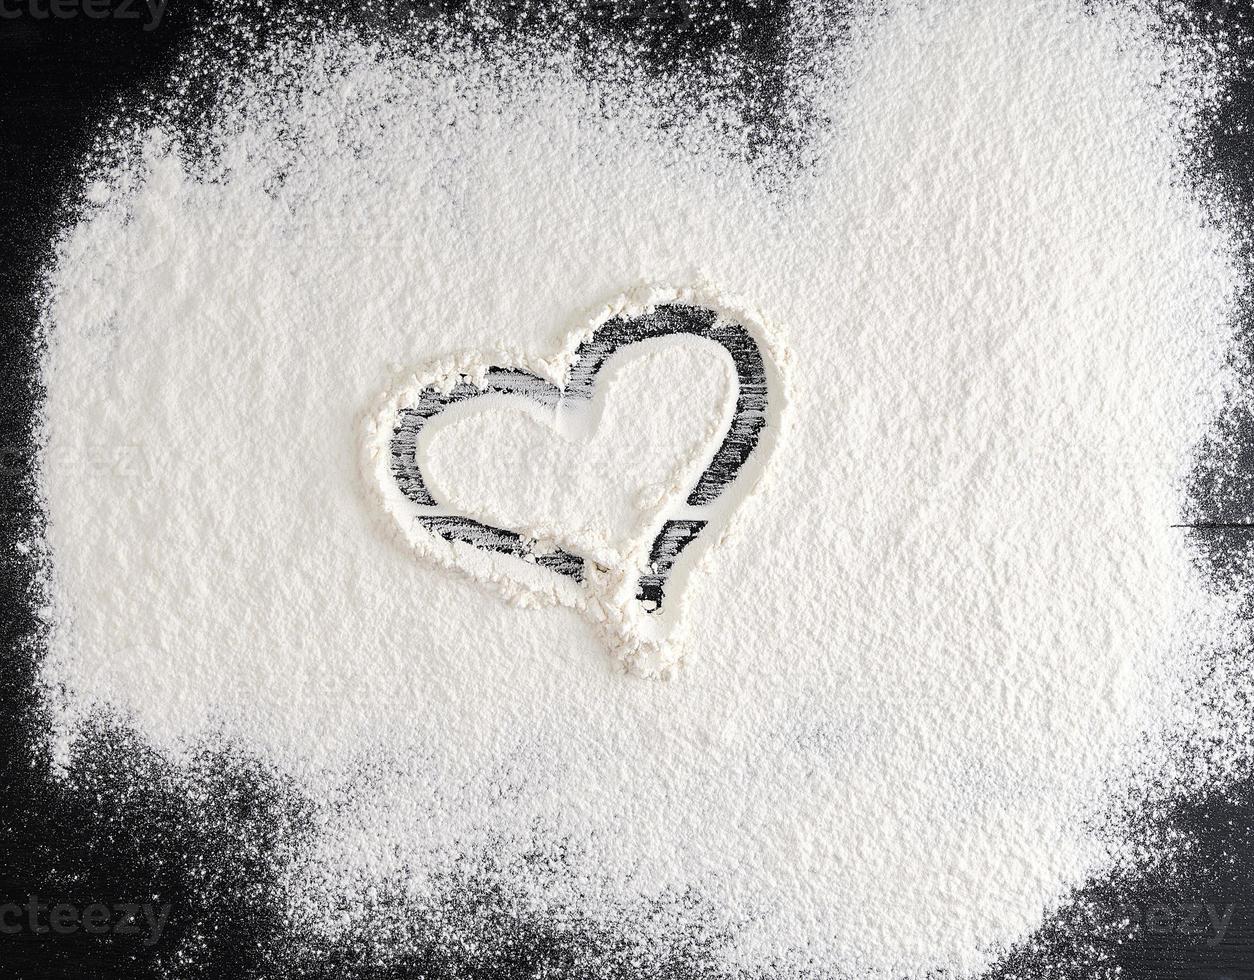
(631, 589)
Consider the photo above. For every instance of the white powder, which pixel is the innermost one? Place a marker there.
(623, 481)
(916, 666)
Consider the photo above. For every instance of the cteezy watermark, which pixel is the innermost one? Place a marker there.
(1202, 921)
(149, 11)
(34, 917)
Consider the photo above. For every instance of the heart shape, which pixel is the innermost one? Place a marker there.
(633, 598)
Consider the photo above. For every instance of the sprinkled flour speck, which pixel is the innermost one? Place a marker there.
(938, 634)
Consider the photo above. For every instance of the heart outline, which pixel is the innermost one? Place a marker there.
(637, 618)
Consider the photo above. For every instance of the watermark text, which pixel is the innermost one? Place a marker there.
(145, 920)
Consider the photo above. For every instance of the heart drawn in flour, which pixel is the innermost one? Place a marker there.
(629, 584)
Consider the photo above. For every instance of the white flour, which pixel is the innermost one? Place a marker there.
(919, 663)
(600, 480)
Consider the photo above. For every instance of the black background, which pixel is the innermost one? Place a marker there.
(129, 828)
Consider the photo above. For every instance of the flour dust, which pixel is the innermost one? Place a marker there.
(939, 639)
